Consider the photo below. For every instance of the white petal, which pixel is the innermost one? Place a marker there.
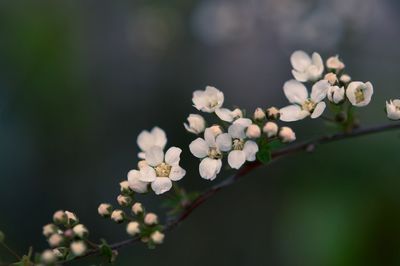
(369, 92)
(145, 140)
(224, 114)
(224, 142)
(177, 173)
(317, 61)
(237, 131)
(198, 99)
(236, 159)
(300, 60)
(160, 138)
(209, 137)
(250, 149)
(134, 182)
(161, 185)
(209, 168)
(319, 109)
(319, 90)
(245, 122)
(154, 156)
(300, 76)
(292, 113)
(172, 156)
(199, 148)
(295, 91)
(147, 174)
(142, 155)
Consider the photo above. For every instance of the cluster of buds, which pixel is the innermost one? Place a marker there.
(65, 236)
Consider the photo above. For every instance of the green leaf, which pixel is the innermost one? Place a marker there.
(107, 252)
(264, 152)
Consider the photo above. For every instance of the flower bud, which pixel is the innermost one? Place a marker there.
(142, 164)
(59, 252)
(80, 230)
(78, 248)
(216, 130)
(270, 129)
(196, 125)
(124, 200)
(345, 78)
(331, 78)
(60, 217)
(105, 209)
(55, 240)
(124, 186)
(133, 228)
(49, 229)
(334, 62)
(118, 216)
(253, 131)
(69, 234)
(273, 113)
(237, 113)
(151, 219)
(393, 109)
(157, 237)
(259, 114)
(72, 218)
(137, 208)
(335, 94)
(48, 257)
(287, 135)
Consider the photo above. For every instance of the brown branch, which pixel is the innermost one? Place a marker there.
(307, 146)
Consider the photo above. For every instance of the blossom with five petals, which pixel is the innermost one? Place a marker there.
(306, 68)
(148, 139)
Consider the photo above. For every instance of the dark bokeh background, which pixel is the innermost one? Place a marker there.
(80, 79)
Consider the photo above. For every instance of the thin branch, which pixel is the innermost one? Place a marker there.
(12, 252)
(307, 146)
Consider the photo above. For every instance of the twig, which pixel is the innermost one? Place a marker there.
(12, 252)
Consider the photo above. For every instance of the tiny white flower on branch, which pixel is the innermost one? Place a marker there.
(157, 237)
(331, 78)
(134, 180)
(196, 124)
(336, 94)
(273, 113)
(210, 151)
(243, 150)
(259, 114)
(162, 169)
(146, 140)
(48, 257)
(55, 240)
(334, 62)
(306, 68)
(287, 135)
(151, 219)
(118, 216)
(133, 228)
(137, 208)
(253, 131)
(303, 105)
(227, 115)
(393, 109)
(80, 230)
(359, 93)
(208, 100)
(78, 248)
(104, 209)
(345, 78)
(271, 129)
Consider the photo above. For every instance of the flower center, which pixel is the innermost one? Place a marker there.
(238, 144)
(214, 153)
(308, 105)
(163, 170)
(359, 95)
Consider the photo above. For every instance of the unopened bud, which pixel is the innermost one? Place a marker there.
(59, 252)
(105, 209)
(196, 124)
(78, 248)
(60, 217)
(72, 218)
(49, 229)
(287, 135)
(270, 129)
(345, 78)
(157, 237)
(118, 216)
(69, 234)
(331, 78)
(133, 228)
(259, 114)
(80, 230)
(124, 200)
(253, 131)
(137, 208)
(237, 113)
(334, 62)
(151, 219)
(55, 240)
(273, 113)
(124, 186)
(48, 257)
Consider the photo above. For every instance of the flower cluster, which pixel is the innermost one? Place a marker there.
(334, 85)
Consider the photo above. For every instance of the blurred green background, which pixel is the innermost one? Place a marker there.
(80, 79)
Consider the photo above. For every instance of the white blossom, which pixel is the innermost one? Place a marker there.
(306, 68)
(287, 135)
(336, 94)
(273, 113)
(227, 115)
(78, 248)
(157, 237)
(151, 218)
(148, 139)
(134, 181)
(303, 105)
(210, 151)
(331, 78)
(162, 169)
(208, 100)
(345, 78)
(133, 228)
(334, 62)
(259, 114)
(393, 109)
(253, 131)
(271, 129)
(118, 216)
(359, 93)
(196, 124)
(80, 230)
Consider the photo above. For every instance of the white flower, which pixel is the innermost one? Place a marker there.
(78, 248)
(393, 109)
(271, 129)
(80, 230)
(134, 181)
(334, 62)
(259, 114)
(273, 113)
(253, 131)
(303, 105)
(335, 94)
(118, 216)
(157, 237)
(359, 93)
(162, 169)
(210, 150)
(146, 140)
(243, 150)
(133, 228)
(151, 218)
(227, 115)
(286, 135)
(196, 125)
(306, 68)
(208, 100)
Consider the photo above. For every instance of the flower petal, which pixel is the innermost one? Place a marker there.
(236, 131)
(292, 113)
(319, 90)
(319, 109)
(317, 61)
(209, 137)
(147, 174)
(300, 60)
(134, 182)
(199, 148)
(154, 156)
(177, 173)
(244, 122)
(160, 138)
(224, 114)
(161, 185)
(250, 149)
(224, 142)
(300, 76)
(236, 159)
(210, 168)
(295, 91)
(145, 140)
(172, 156)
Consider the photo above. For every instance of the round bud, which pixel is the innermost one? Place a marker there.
(273, 113)
(124, 186)
(78, 248)
(157, 237)
(124, 200)
(331, 78)
(60, 217)
(118, 216)
(72, 218)
(137, 208)
(334, 62)
(55, 240)
(151, 219)
(49, 229)
(80, 230)
(48, 257)
(133, 228)
(345, 78)
(287, 135)
(105, 209)
(259, 114)
(270, 129)
(253, 131)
